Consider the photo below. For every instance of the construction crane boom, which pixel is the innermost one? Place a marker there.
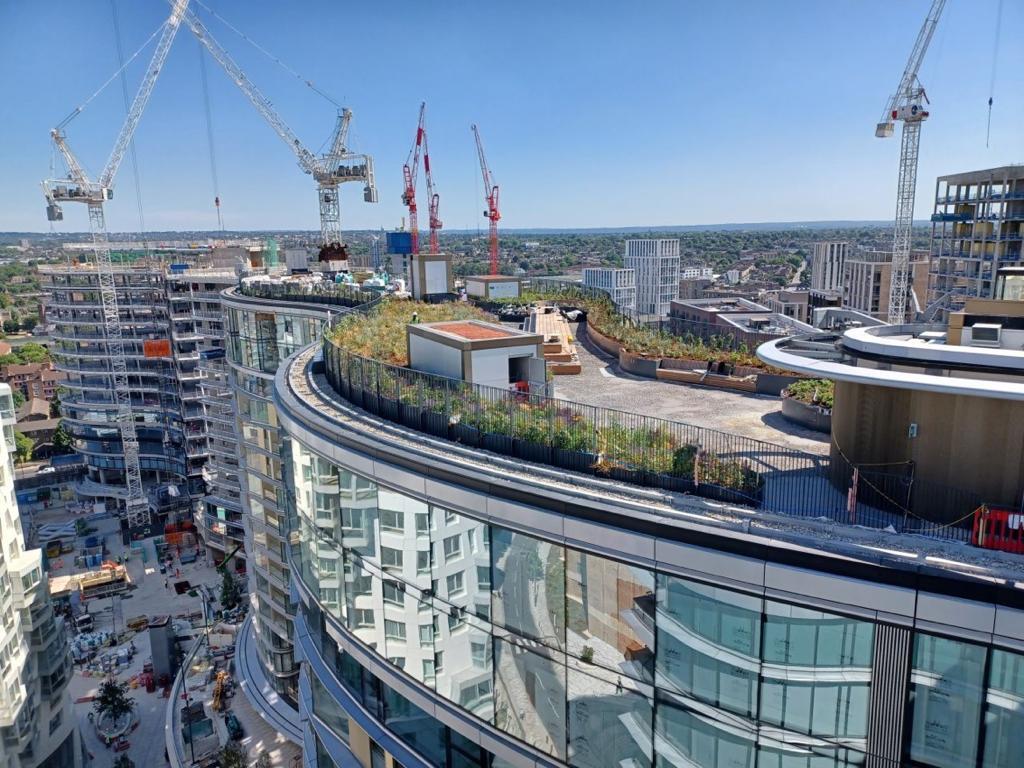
(410, 172)
(492, 213)
(907, 105)
(329, 170)
(77, 187)
(433, 199)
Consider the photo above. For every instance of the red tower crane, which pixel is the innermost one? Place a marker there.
(434, 198)
(409, 171)
(492, 213)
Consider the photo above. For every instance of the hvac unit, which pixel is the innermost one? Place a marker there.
(986, 334)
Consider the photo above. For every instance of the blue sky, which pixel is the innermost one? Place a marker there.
(593, 113)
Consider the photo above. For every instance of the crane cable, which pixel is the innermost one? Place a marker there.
(81, 107)
(306, 81)
(995, 61)
(209, 135)
(127, 107)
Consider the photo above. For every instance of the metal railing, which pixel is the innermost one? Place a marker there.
(653, 452)
(330, 294)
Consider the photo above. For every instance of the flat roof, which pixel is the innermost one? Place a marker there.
(493, 278)
(470, 330)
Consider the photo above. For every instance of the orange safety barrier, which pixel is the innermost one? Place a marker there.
(998, 528)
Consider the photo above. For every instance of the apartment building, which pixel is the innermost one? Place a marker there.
(620, 284)
(170, 321)
(453, 612)
(655, 264)
(977, 227)
(827, 263)
(867, 276)
(33, 379)
(38, 728)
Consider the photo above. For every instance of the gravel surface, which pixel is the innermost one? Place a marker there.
(603, 383)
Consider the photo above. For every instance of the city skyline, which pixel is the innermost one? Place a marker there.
(567, 155)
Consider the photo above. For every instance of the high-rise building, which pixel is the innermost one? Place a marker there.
(37, 726)
(619, 284)
(827, 265)
(461, 608)
(977, 227)
(170, 320)
(866, 278)
(656, 266)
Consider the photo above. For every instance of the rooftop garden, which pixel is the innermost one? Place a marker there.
(603, 317)
(380, 334)
(820, 392)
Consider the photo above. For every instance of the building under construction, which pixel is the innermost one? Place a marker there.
(977, 228)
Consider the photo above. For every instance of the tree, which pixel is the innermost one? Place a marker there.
(33, 353)
(230, 594)
(62, 440)
(22, 447)
(124, 762)
(19, 398)
(113, 701)
(232, 756)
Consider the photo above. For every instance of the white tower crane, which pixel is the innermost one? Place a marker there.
(78, 188)
(907, 106)
(329, 170)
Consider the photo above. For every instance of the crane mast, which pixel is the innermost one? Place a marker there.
(491, 195)
(410, 171)
(329, 170)
(907, 106)
(78, 188)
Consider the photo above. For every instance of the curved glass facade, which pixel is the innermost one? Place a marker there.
(599, 662)
(258, 339)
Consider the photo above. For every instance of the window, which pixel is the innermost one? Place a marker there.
(452, 547)
(422, 523)
(423, 561)
(439, 661)
(394, 630)
(455, 585)
(471, 538)
(398, 661)
(450, 517)
(478, 652)
(393, 521)
(946, 683)
(428, 670)
(455, 622)
(364, 617)
(483, 576)
(426, 634)
(393, 593)
(390, 558)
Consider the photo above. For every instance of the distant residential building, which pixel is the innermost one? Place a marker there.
(656, 264)
(745, 319)
(800, 304)
(867, 276)
(33, 379)
(695, 272)
(976, 229)
(827, 265)
(693, 288)
(732, 276)
(619, 283)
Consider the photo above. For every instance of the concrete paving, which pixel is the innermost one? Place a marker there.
(602, 383)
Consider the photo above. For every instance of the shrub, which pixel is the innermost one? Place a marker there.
(819, 392)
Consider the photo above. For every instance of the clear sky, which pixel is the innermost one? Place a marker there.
(593, 113)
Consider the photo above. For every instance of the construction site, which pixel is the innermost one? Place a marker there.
(246, 561)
